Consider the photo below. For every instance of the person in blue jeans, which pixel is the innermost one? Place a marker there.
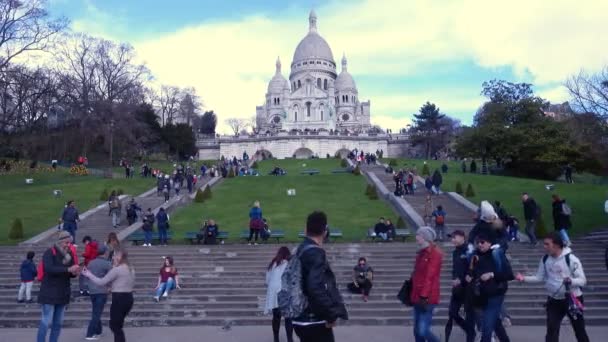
(162, 222)
(490, 284)
(167, 279)
(148, 227)
(54, 295)
(70, 218)
(99, 266)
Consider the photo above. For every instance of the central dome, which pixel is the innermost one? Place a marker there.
(313, 46)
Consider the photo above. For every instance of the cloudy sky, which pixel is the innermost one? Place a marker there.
(401, 53)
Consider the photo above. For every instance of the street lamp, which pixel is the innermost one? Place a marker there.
(111, 141)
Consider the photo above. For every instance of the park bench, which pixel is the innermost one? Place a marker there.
(138, 237)
(193, 237)
(344, 170)
(335, 233)
(310, 172)
(276, 234)
(399, 234)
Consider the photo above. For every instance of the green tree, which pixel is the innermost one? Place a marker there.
(199, 197)
(207, 194)
(425, 170)
(16, 231)
(180, 139)
(470, 192)
(459, 188)
(208, 123)
(427, 127)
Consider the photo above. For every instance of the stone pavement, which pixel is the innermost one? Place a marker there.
(264, 334)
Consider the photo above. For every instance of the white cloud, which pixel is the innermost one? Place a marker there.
(231, 62)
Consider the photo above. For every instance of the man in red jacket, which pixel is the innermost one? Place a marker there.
(425, 284)
(90, 253)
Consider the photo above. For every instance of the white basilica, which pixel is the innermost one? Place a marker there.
(315, 97)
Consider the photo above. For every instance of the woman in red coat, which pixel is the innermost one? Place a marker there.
(425, 284)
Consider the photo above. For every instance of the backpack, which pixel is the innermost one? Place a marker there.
(291, 299)
(40, 267)
(566, 210)
(567, 257)
(439, 219)
(131, 211)
(115, 204)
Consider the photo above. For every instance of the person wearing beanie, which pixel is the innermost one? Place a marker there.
(100, 266)
(60, 265)
(425, 283)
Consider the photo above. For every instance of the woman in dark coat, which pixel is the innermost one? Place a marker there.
(561, 218)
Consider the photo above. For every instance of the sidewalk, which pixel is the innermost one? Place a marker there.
(264, 334)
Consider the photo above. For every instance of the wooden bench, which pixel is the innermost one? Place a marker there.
(345, 170)
(309, 172)
(138, 237)
(193, 237)
(276, 234)
(402, 234)
(333, 233)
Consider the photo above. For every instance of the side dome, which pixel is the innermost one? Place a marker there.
(345, 79)
(313, 46)
(278, 83)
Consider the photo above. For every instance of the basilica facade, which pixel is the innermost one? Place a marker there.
(316, 97)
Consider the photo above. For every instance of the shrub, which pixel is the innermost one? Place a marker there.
(357, 171)
(473, 166)
(104, 195)
(207, 194)
(470, 192)
(328, 156)
(254, 165)
(120, 192)
(444, 168)
(401, 223)
(392, 162)
(231, 173)
(425, 170)
(199, 197)
(459, 188)
(343, 163)
(373, 194)
(16, 231)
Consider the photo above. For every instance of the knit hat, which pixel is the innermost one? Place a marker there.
(487, 212)
(427, 233)
(64, 235)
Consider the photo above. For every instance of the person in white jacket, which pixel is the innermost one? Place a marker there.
(273, 282)
(562, 272)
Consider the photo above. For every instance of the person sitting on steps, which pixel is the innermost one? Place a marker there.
(362, 279)
(167, 279)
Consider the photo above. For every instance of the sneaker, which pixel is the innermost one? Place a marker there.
(166, 294)
(249, 244)
(92, 338)
(157, 298)
(255, 244)
(20, 301)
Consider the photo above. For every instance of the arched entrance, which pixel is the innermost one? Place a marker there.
(303, 153)
(263, 154)
(343, 152)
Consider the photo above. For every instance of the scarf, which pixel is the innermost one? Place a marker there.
(67, 257)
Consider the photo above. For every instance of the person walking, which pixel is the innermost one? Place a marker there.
(437, 181)
(255, 222)
(273, 282)
(425, 284)
(28, 273)
(460, 265)
(121, 279)
(70, 219)
(563, 275)
(531, 213)
(115, 205)
(162, 223)
(113, 244)
(167, 279)
(132, 210)
(561, 218)
(490, 284)
(100, 266)
(439, 215)
(60, 266)
(90, 253)
(363, 275)
(325, 304)
(148, 227)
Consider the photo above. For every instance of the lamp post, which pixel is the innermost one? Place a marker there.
(111, 141)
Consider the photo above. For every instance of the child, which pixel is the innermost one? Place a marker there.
(28, 274)
(439, 216)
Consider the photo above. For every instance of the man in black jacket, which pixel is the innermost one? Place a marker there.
(59, 267)
(460, 264)
(325, 304)
(530, 214)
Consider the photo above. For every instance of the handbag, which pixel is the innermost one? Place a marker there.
(405, 294)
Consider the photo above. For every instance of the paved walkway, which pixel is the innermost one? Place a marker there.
(264, 334)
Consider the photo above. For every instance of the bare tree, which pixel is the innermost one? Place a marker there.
(590, 91)
(167, 101)
(253, 123)
(189, 106)
(25, 26)
(237, 125)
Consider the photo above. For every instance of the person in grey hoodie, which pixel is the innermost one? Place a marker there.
(562, 272)
(99, 266)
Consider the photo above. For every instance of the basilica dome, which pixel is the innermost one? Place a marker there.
(345, 80)
(313, 46)
(278, 83)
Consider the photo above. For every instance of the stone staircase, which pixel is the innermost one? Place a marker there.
(224, 285)
(458, 217)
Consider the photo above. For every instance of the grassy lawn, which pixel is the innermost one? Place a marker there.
(586, 199)
(341, 196)
(39, 209)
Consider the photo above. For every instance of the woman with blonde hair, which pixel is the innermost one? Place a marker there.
(121, 280)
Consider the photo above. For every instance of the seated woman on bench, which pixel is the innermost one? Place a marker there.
(208, 233)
